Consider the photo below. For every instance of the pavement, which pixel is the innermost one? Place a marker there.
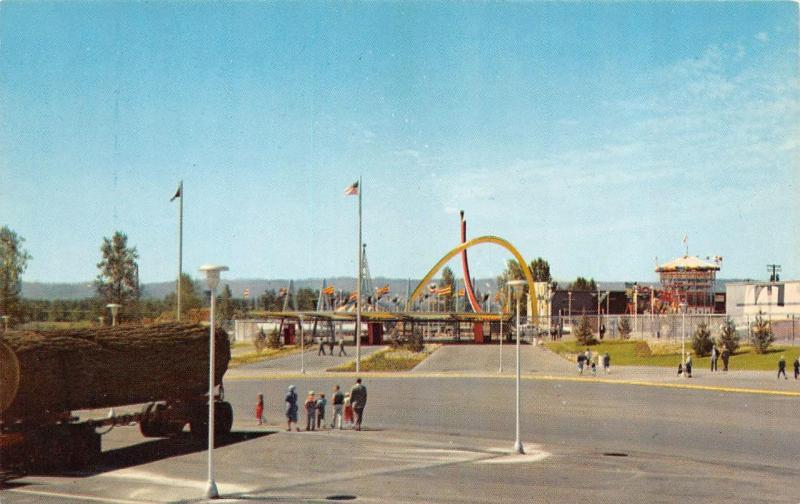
(313, 363)
(448, 439)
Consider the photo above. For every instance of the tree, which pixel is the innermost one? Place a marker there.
(13, 262)
(701, 340)
(307, 299)
(269, 301)
(226, 307)
(448, 279)
(190, 297)
(118, 281)
(624, 328)
(274, 339)
(728, 338)
(583, 332)
(762, 334)
(540, 269)
(581, 284)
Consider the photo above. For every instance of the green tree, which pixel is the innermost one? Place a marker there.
(448, 279)
(118, 280)
(582, 284)
(728, 338)
(583, 332)
(701, 340)
(624, 328)
(540, 269)
(274, 339)
(269, 301)
(762, 334)
(13, 262)
(306, 299)
(190, 296)
(225, 305)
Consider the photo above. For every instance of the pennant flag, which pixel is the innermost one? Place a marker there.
(685, 239)
(178, 192)
(461, 292)
(353, 296)
(329, 291)
(282, 292)
(444, 291)
(352, 189)
(382, 291)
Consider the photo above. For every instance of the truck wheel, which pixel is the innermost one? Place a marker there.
(84, 448)
(153, 420)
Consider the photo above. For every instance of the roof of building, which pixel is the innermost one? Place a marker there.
(687, 263)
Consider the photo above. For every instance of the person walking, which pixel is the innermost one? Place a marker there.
(606, 362)
(797, 367)
(322, 403)
(602, 331)
(782, 367)
(341, 348)
(260, 409)
(594, 368)
(714, 357)
(348, 411)
(588, 357)
(291, 409)
(338, 403)
(689, 366)
(726, 355)
(358, 398)
(581, 362)
(321, 350)
(311, 411)
(331, 342)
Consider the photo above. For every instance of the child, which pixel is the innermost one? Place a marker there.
(594, 367)
(311, 411)
(348, 411)
(260, 409)
(321, 403)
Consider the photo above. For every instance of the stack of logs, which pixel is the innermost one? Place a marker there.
(63, 370)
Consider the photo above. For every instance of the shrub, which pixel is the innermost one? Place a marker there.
(728, 337)
(701, 340)
(642, 349)
(583, 333)
(274, 340)
(762, 336)
(260, 341)
(624, 328)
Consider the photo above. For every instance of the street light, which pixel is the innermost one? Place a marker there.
(683, 336)
(302, 346)
(212, 278)
(518, 286)
(114, 307)
(502, 302)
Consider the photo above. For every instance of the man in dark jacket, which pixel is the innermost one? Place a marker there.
(358, 399)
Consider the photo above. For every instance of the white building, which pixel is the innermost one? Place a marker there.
(776, 300)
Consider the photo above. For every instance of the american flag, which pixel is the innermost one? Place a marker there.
(352, 189)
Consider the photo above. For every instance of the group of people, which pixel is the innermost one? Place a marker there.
(716, 354)
(782, 367)
(347, 409)
(330, 343)
(587, 360)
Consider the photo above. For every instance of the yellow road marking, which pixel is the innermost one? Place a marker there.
(643, 383)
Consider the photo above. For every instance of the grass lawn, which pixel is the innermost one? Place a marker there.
(640, 353)
(389, 359)
(238, 359)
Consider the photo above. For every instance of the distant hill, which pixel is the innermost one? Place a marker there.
(157, 290)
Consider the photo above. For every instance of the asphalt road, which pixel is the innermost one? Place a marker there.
(442, 440)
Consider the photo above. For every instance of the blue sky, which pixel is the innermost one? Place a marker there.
(594, 135)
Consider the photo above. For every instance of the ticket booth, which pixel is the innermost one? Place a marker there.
(375, 333)
(289, 334)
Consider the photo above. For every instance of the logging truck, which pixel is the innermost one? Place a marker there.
(46, 376)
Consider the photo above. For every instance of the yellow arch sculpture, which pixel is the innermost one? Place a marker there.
(475, 241)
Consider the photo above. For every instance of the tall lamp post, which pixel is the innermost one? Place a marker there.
(212, 278)
(502, 302)
(683, 307)
(114, 307)
(517, 286)
(302, 347)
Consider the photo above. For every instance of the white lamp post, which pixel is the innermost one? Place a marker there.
(501, 336)
(518, 286)
(212, 278)
(114, 307)
(683, 336)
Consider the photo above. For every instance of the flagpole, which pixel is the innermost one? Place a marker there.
(358, 283)
(180, 250)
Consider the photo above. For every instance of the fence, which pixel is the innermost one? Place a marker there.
(671, 326)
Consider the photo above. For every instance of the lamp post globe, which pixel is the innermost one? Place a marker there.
(518, 287)
(212, 272)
